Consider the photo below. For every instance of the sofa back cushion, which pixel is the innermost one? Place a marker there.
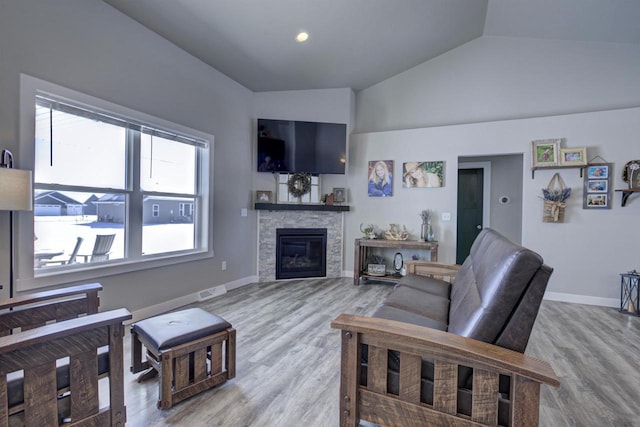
(489, 286)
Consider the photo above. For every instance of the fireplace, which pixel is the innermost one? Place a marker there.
(301, 252)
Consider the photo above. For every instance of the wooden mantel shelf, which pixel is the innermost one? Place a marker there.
(626, 193)
(300, 207)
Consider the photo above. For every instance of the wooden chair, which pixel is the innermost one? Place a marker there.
(101, 248)
(70, 260)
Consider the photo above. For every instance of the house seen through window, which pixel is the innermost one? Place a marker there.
(109, 189)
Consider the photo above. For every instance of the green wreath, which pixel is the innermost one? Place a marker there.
(299, 184)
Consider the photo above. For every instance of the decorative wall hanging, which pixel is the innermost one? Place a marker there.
(423, 174)
(631, 174)
(380, 178)
(546, 152)
(298, 188)
(597, 186)
(555, 196)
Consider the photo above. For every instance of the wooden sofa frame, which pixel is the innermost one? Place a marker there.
(37, 351)
(447, 351)
(30, 311)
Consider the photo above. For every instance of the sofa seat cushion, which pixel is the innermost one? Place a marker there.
(426, 284)
(419, 302)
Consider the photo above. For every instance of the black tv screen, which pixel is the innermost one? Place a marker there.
(297, 146)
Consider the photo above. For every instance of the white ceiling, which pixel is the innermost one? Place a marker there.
(357, 43)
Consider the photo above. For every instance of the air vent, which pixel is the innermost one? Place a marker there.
(212, 292)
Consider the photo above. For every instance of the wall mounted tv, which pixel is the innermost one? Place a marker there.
(295, 146)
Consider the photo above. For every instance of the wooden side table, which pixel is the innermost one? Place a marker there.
(362, 247)
(629, 295)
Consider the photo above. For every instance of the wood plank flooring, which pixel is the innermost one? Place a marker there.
(288, 361)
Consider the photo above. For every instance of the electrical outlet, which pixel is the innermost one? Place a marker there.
(224, 265)
(446, 216)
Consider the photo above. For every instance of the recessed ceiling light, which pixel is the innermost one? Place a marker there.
(302, 36)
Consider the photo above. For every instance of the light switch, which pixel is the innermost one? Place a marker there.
(243, 212)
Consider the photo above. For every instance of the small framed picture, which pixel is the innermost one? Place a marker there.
(263, 196)
(546, 152)
(598, 186)
(598, 201)
(339, 195)
(573, 156)
(598, 171)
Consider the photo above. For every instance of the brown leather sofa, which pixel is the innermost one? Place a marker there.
(442, 354)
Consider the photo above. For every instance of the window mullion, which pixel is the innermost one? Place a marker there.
(133, 229)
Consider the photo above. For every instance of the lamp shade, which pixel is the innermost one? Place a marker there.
(15, 190)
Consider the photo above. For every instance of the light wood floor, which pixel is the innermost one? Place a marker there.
(288, 361)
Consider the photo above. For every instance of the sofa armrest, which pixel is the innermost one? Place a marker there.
(447, 351)
(446, 272)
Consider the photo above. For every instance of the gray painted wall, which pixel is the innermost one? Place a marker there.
(510, 92)
(90, 47)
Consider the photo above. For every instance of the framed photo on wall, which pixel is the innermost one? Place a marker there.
(380, 178)
(573, 156)
(597, 186)
(546, 152)
(423, 174)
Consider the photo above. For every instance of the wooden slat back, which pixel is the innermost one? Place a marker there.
(30, 311)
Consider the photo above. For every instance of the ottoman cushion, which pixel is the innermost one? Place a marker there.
(171, 329)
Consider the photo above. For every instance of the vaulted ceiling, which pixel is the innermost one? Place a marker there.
(357, 43)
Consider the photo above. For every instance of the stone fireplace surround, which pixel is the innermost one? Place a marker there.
(270, 220)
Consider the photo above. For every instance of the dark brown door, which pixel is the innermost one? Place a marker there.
(470, 194)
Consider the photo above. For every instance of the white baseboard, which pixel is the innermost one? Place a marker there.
(154, 310)
(582, 299)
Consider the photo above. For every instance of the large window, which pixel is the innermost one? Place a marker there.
(111, 184)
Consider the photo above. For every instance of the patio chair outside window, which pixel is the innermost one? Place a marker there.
(101, 248)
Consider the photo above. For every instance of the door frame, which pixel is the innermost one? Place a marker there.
(486, 188)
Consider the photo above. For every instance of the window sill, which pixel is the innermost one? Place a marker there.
(61, 276)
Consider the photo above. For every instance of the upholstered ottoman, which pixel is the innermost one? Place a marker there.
(192, 350)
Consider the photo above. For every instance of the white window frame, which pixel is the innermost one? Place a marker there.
(25, 277)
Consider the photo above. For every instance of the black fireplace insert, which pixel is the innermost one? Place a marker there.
(301, 252)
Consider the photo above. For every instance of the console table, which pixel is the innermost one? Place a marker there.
(362, 247)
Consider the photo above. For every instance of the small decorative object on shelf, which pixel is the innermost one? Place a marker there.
(368, 230)
(376, 265)
(555, 196)
(426, 231)
(629, 296)
(395, 232)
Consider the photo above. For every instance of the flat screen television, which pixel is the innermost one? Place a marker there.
(297, 146)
